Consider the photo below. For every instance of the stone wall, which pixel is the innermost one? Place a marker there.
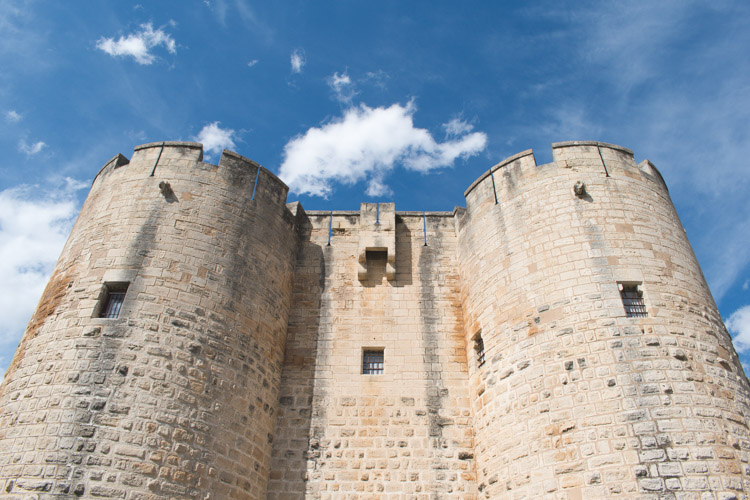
(510, 366)
(405, 433)
(178, 394)
(577, 400)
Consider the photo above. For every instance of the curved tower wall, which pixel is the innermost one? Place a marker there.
(177, 396)
(575, 399)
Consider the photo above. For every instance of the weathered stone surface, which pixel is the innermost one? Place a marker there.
(511, 370)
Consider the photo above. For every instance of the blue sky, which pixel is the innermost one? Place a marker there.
(405, 101)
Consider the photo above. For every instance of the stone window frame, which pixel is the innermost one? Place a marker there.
(111, 299)
(480, 351)
(373, 361)
(633, 299)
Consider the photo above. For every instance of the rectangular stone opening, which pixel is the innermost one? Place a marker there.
(376, 261)
(373, 361)
(479, 349)
(632, 300)
(112, 298)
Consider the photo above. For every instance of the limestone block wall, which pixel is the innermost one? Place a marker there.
(177, 397)
(576, 400)
(405, 433)
(510, 366)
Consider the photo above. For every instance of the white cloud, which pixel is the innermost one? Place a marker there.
(746, 284)
(34, 224)
(31, 149)
(252, 63)
(139, 44)
(635, 56)
(342, 86)
(215, 139)
(12, 116)
(297, 60)
(457, 127)
(240, 10)
(365, 144)
(376, 78)
(738, 325)
(376, 187)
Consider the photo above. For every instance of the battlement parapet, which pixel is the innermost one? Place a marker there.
(193, 315)
(610, 160)
(151, 159)
(169, 150)
(171, 144)
(399, 213)
(232, 159)
(572, 144)
(507, 161)
(649, 168)
(116, 161)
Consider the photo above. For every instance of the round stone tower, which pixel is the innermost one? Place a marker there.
(600, 365)
(152, 364)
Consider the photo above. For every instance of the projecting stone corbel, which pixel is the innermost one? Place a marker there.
(377, 233)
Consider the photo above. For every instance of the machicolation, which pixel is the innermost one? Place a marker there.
(201, 338)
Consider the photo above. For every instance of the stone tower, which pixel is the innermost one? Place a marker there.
(201, 339)
(576, 392)
(177, 395)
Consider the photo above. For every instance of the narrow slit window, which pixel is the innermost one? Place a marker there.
(114, 296)
(632, 301)
(479, 349)
(372, 362)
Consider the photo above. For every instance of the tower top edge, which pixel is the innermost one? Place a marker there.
(227, 157)
(567, 144)
(173, 144)
(504, 162)
(530, 152)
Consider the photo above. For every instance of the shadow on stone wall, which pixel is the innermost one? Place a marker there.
(293, 445)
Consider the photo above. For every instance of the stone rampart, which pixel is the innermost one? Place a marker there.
(575, 397)
(554, 339)
(178, 394)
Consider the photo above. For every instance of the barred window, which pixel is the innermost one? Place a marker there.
(372, 362)
(114, 296)
(632, 300)
(479, 349)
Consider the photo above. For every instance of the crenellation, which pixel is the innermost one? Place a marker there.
(505, 362)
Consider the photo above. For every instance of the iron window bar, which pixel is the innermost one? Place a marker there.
(113, 305)
(479, 347)
(372, 362)
(632, 300)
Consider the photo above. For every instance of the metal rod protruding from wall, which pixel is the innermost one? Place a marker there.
(494, 189)
(255, 187)
(330, 229)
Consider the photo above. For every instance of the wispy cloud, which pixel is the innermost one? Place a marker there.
(342, 86)
(215, 139)
(34, 224)
(457, 127)
(252, 63)
(138, 45)
(22, 39)
(297, 60)
(12, 116)
(31, 149)
(376, 78)
(738, 325)
(675, 78)
(615, 32)
(366, 144)
(244, 12)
